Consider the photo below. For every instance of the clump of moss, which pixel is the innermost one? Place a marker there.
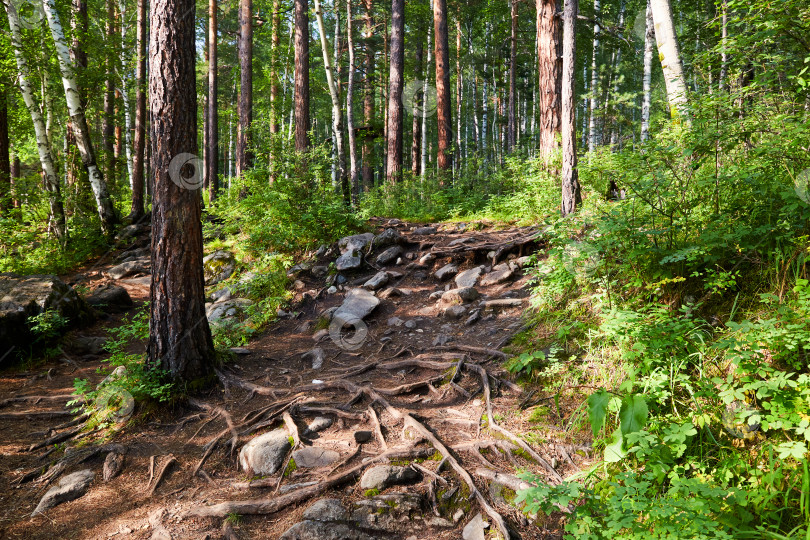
(291, 468)
(371, 492)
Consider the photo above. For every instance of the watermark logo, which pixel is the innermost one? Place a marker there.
(420, 98)
(348, 331)
(581, 259)
(114, 405)
(29, 12)
(185, 170)
(640, 25)
(802, 185)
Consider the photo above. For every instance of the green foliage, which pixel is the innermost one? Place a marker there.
(47, 325)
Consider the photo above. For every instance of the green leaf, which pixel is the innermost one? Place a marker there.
(597, 405)
(633, 414)
(614, 451)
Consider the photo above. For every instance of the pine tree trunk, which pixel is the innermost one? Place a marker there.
(571, 196)
(57, 210)
(78, 121)
(127, 140)
(212, 114)
(594, 107)
(108, 131)
(424, 150)
(353, 172)
(511, 126)
(368, 98)
(243, 141)
(302, 122)
(550, 69)
(179, 338)
(139, 144)
(649, 46)
(275, 88)
(670, 56)
(444, 109)
(419, 101)
(338, 179)
(459, 87)
(396, 84)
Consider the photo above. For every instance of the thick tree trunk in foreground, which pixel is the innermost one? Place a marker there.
(549, 54)
(396, 83)
(649, 46)
(180, 338)
(212, 118)
(78, 121)
(139, 144)
(368, 97)
(243, 140)
(444, 110)
(670, 56)
(302, 123)
(571, 196)
(40, 131)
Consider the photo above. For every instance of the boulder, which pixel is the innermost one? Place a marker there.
(218, 266)
(129, 268)
(454, 312)
(313, 457)
(504, 303)
(22, 297)
(226, 293)
(462, 295)
(133, 254)
(326, 510)
(323, 530)
(351, 260)
(446, 272)
(358, 304)
(320, 423)
(383, 476)
(468, 278)
(426, 259)
(388, 237)
(229, 309)
(379, 281)
(264, 455)
(70, 487)
(389, 255)
(355, 242)
(499, 274)
(422, 231)
(110, 299)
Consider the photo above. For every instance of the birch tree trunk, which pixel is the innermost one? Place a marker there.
(78, 121)
(511, 126)
(43, 146)
(125, 98)
(137, 210)
(108, 130)
(337, 112)
(302, 121)
(571, 196)
(594, 107)
(275, 88)
(396, 84)
(649, 45)
(670, 55)
(353, 172)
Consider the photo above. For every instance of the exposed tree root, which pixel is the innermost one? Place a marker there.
(375, 421)
(161, 473)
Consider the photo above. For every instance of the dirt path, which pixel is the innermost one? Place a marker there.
(409, 384)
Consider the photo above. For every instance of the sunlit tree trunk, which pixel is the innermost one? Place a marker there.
(302, 122)
(444, 109)
(571, 196)
(670, 56)
(179, 336)
(396, 82)
(511, 126)
(649, 48)
(108, 130)
(275, 88)
(549, 63)
(139, 144)
(212, 114)
(368, 97)
(594, 106)
(5, 156)
(416, 144)
(353, 171)
(424, 150)
(243, 138)
(127, 140)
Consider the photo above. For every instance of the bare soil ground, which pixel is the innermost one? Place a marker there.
(423, 395)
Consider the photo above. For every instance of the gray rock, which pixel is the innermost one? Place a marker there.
(312, 457)
(379, 280)
(320, 423)
(435, 295)
(133, 254)
(358, 304)
(462, 295)
(361, 437)
(292, 487)
(474, 317)
(383, 476)
(129, 268)
(89, 344)
(506, 303)
(351, 260)
(316, 356)
(395, 321)
(474, 530)
(218, 266)
(463, 240)
(468, 278)
(498, 275)
(320, 271)
(355, 242)
(420, 276)
(70, 487)
(454, 312)
(390, 512)
(229, 309)
(389, 255)
(320, 335)
(388, 237)
(441, 340)
(264, 455)
(421, 231)
(240, 351)
(390, 292)
(326, 510)
(222, 295)
(110, 299)
(446, 272)
(320, 530)
(426, 259)
(131, 231)
(332, 290)
(410, 325)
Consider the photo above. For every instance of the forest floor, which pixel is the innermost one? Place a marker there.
(429, 377)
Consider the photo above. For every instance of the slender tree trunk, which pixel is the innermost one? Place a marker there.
(302, 122)
(78, 121)
(616, 64)
(243, 141)
(571, 196)
(670, 55)
(179, 335)
(212, 114)
(275, 88)
(444, 109)
(425, 97)
(597, 13)
(108, 131)
(724, 45)
(418, 105)
(15, 177)
(353, 172)
(5, 156)
(474, 101)
(139, 143)
(511, 119)
(339, 176)
(459, 85)
(549, 64)
(127, 140)
(368, 98)
(40, 131)
(649, 46)
(396, 83)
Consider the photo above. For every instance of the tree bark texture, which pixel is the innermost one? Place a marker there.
(571, 196)
(396, 84)
(444, 110)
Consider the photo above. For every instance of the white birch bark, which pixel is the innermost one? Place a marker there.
(40, 132)
(423, 167)
(670, 56)
(104, 206)
(125, 97)
(649, 41)
(594, 77)
(353, 171)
